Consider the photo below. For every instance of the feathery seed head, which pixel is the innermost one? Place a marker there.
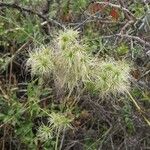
(44, 133)
(59, 120)
(41, 62)
(112, 77)
(67, 37)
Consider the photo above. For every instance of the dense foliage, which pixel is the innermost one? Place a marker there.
(74, 75)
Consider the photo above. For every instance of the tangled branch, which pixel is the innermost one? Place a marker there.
(20, 8)
(119, 7)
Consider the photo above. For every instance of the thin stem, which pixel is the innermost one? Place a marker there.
(62, 140)
(139, 108)
(57, 139)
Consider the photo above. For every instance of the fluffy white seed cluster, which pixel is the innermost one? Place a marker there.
(41, 62)
(73, 62)
(72, 66)
(111, 76)
(57, 121)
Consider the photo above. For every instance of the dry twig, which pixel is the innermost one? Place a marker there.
(20, 8)
(119, 7)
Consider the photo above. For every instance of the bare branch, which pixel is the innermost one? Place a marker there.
(125, 13)
(129, 37)
(119, 7)
(134, 38)
(19, 8)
